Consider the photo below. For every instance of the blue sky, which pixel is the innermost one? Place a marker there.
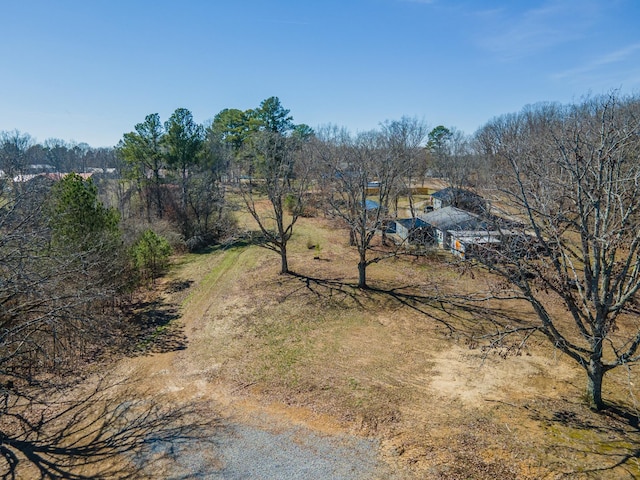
(89, 70)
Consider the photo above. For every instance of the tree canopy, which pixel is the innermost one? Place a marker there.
(77, 217)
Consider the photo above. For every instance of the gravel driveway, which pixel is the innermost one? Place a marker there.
(237, 451)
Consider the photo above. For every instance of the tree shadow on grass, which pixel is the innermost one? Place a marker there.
(107, 432)
(607, 441)
(176, 286)
(154, 327)
(611, 436)
(463, 316)
(333, 291)
(248, 239)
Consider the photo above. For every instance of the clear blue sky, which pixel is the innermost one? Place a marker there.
(89, 70)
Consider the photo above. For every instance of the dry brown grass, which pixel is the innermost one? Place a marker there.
(388, 362)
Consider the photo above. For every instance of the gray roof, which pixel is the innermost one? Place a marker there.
(410, 223)
(452, 218)
(478, 236)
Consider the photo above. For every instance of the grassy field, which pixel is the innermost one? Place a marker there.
(393, 362)
(403, 362)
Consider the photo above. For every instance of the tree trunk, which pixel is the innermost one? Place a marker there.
(384, 234)
(595, 374)
(283, 257)
(187, 231)
(158, 194)
(362, 275)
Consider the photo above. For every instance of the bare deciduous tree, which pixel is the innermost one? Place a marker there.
(13, 153)
(281, 175)
(349, 166)
(403, 140)
(271, 159)
(572, 177)
(453, 158)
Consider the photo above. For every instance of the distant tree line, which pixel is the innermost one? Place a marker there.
(20, 154)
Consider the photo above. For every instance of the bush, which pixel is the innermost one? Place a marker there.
(290, 203)
(151, 255)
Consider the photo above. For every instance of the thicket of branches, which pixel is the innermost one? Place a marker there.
(63, 272)
(62, 278)
(570, 175)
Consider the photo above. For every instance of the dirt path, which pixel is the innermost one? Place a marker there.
(247, 438)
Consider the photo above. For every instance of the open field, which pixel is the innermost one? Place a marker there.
(395, 365)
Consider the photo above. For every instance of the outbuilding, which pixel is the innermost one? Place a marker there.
(459, 198)
(413, 230)
(445, 220)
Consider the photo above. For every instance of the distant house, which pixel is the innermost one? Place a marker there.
(55, 176)
(444, 221)
(41, 167)
(25, 177)
(459, 198)
(373, 187)
(413, 230)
